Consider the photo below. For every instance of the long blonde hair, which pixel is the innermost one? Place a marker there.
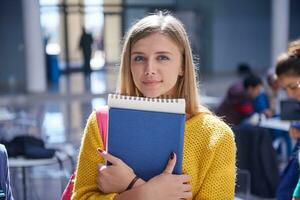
(173, 28)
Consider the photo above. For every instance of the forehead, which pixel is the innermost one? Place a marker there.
(288, 79)
(155, 41)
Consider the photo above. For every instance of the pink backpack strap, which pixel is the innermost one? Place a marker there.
(102, 115)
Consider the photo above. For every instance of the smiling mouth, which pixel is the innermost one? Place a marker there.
(151, 82)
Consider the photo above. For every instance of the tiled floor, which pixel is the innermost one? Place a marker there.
(58, 117)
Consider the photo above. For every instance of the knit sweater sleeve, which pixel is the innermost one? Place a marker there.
(86, 176)
(219, 181)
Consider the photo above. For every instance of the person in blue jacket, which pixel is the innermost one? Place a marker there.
(5, 189)
(253, 86)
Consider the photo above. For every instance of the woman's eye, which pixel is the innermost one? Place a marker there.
(163, 57)
(138, 58)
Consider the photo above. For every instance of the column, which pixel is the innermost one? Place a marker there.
(34, 49)
(112, 31)
(280, 28)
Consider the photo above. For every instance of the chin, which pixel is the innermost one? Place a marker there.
(151, 94)
(155, 93)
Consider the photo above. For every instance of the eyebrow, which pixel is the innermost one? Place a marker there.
(159, 52)
(291, 85)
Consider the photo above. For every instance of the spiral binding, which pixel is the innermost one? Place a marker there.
(146, 104)
(145, 99)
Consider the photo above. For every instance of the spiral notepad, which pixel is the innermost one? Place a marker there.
(149, 104)
(143, 132)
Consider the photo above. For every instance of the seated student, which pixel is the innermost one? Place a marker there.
(275, 95)
(243, 70)
(288, 73)
(254, 88)
(236, 106)
(273, 92)
(243, 100)
(5, 189)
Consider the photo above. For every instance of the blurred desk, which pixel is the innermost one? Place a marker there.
(211, 102)
(24, 163)
(5, 115)
(274, 123)
(280, 142)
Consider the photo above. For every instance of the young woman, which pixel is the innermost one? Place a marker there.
(157, 61)
(288, 73)
(288, 70)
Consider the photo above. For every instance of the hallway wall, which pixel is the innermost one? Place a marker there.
(12, 60)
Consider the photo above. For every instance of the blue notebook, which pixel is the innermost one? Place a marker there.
(144, 132)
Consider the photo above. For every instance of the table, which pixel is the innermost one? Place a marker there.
(210, 101)
(274, 123)
(25, 163)
(5, 115)
(277, 124)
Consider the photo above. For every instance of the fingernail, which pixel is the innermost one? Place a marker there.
(99, 150)
(172, 156)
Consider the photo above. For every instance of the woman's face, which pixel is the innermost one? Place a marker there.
(291, 84)
(156, 65)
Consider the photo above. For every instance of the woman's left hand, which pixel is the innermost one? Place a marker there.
(113, 178)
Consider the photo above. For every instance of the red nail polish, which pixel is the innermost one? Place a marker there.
(99, 150)
(172, 156)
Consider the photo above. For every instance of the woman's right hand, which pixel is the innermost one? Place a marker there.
(115, 177)
(169, 186)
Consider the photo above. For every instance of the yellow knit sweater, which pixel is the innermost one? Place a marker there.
(209, 158)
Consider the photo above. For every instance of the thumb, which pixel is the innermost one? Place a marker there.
(108, 157)
(171, 164)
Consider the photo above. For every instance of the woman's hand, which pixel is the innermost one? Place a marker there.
(113, 178)
(168, 186)
(268, 113)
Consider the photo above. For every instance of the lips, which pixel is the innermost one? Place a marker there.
(151, 82)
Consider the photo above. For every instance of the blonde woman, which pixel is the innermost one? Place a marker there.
(157, 61)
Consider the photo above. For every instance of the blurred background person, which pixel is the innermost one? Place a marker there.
(85, 44)
(272, 91)
(236, 105)
(5, 189)
(288, 73)
(243, 99)
(254, 88)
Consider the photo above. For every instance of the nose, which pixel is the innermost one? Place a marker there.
(150, 68)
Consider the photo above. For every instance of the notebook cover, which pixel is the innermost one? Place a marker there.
(144, 140)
